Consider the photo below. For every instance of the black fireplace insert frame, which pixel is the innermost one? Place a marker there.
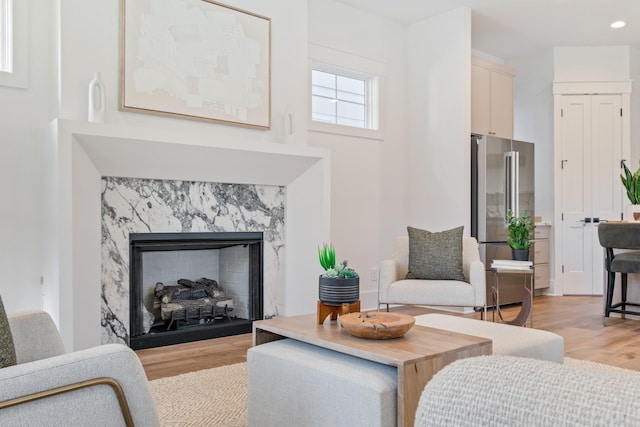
(149, 242)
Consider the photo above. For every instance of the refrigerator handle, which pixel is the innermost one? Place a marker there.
(511, 196)
(507, 185)
(515, 167)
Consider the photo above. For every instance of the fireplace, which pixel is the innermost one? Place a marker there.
(117, 180)
(193, 286)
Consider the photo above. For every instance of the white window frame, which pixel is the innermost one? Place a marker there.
(348, 65)
(370, 103)
(18, 38)
(6, 36)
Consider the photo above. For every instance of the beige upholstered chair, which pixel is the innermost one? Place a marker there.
(393, 288)
(104, 385)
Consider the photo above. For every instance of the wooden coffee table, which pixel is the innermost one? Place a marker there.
(418, 355)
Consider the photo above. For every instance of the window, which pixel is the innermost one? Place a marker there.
(13, 43)
(6, 36)
(346, 92)
(343, 97)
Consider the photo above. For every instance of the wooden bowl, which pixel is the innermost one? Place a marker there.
(377, 325)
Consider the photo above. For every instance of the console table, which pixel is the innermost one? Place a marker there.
(417, 356)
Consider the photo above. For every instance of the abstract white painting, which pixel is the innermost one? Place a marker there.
(195, 59)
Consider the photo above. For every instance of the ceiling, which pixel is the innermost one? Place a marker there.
(512, 28)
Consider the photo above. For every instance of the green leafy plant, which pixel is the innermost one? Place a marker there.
(520, 229)
(631, 183)
(327, 258)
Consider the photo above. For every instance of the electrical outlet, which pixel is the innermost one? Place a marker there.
(374, 274)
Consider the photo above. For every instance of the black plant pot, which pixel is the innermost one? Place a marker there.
(336, 291)
(520, 254)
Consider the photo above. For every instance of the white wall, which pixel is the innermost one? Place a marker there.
(591, 63)
(308, 202)
(635, 105)
(634, 65)
(533, 120)
(24, 118)
(439, 77)
(90, 44)
(369, 177)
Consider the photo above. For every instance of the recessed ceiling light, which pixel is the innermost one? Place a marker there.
(618, 24)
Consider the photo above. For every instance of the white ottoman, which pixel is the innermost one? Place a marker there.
(291, 383)
(507, 339)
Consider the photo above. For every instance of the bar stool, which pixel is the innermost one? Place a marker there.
(620, 236)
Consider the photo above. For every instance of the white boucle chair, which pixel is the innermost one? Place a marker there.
(515, 391)
(43, 366)
(393, 288)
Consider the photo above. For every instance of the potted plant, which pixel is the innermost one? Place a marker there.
(631, 184)
(338, 284)
(520, 229)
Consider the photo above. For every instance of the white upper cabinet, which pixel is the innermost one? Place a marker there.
(491, 98)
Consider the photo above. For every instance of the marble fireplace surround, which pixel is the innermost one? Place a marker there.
(86, 152)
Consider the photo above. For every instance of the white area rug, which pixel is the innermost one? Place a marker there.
(211, 397)
(218, 396)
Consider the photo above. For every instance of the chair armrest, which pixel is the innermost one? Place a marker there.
(387, 275)
(97, 405)
(35, 336)
(478, 280)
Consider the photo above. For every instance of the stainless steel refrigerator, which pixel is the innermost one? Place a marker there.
(502, 179)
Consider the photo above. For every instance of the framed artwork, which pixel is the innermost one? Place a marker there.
(195, 59)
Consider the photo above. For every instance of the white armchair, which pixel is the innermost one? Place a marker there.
(104, 385)
(393, 288)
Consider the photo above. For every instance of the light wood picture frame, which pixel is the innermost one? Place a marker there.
(195, 59)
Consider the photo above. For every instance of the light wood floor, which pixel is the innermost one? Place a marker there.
(577, 318)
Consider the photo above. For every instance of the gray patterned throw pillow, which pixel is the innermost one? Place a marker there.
(435, 256)
(7, 349)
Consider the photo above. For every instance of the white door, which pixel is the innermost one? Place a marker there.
(591, 150)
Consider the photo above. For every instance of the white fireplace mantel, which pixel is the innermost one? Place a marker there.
(86, 152)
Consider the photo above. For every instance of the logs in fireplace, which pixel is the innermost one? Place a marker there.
(167, 308)
(188, 303)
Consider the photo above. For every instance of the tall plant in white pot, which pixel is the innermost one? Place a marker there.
(631, 182)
